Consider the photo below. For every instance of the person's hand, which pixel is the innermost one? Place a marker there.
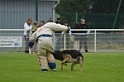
(30, 44)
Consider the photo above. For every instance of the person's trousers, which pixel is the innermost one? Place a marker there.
(34, 48)
(45, 47)
(83, 40)
(26, 37)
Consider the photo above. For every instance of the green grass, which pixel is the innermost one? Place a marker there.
(98, 67)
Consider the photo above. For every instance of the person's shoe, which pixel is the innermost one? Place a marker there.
(44, 70)
(54, 69)
(26, 51)
(86, 50)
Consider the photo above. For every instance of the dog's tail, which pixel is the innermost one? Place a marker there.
(81, 62)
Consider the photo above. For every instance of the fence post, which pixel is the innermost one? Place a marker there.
(76, 16)
(119, 5)
(36, 10)
(95, 40)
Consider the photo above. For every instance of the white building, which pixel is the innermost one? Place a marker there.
(13, 13)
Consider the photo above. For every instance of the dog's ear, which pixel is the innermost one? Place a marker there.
(56, 54)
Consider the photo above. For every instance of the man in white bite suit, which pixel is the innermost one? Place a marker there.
(43, 37)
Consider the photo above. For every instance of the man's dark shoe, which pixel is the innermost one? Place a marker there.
(86, 50)
(26, 51)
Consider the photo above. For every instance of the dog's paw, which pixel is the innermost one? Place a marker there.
(61, 68)
(63, 63)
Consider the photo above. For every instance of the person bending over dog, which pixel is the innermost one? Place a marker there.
(43, 37)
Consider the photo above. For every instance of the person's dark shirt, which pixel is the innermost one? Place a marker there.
(76, 31)
(83, 26)
(68, 29)
(58, 23)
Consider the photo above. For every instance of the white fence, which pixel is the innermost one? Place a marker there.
(111, 36)
(99, 40)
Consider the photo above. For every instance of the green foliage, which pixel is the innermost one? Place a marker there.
(107, 6)
(100, 16)
(95, 20)
(98, 67)
(73, 6)
(98, 6)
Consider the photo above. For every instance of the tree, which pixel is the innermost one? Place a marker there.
(73, 6)
(97, 12)
(106, 6)
(98, 6)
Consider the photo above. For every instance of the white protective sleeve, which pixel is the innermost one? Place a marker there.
(58, 27)
(33, 37)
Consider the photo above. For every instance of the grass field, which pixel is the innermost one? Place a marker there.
(98, 67)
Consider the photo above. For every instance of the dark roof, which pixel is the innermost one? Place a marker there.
(39, 0)
(48, 0)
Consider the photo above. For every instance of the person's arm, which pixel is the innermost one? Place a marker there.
(64, 32)
(69, 28)
(88, 32)
(70, 31)
(58, 27)
(32, 40)
(26, 27)
(33, 37)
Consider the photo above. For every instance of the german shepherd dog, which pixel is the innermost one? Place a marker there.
(69, 56)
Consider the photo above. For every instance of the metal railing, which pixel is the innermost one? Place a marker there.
(103, 40)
